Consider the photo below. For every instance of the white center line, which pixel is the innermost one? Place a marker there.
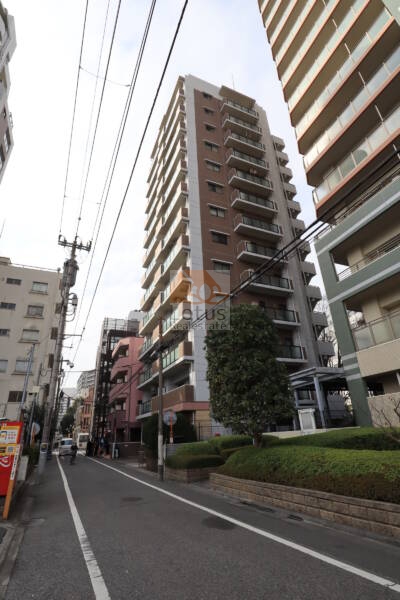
(98, 584)
(386, 583)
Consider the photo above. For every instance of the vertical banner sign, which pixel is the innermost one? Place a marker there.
(10, 437)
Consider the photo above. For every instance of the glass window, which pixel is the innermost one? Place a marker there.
(219, 238)
(363, 338)
(21, 365)
(209, 127)
(3, 365)
(8, 305)
(221, 266)
(215, 187)
(208, 111)
(4, 332)
(212, 147)
(13, 281)
(393, 61)
(35, 311)
(216, 211)
(377, 137)
(30, 335)
(361, 153)
(40, 287)
(375, 82)
(213, 166)
(14, 396)
(392, 122)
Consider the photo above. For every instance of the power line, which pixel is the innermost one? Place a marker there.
(136, 159)
(73, 114)
(114, 156)
(98, 114)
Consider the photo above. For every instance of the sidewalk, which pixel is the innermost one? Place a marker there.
(46, 530)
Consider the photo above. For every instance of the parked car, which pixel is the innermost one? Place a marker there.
(65, 446)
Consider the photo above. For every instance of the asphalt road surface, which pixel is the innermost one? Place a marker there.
(104, 530)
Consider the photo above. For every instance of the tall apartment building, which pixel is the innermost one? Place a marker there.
(29, 298)
(220, 199)
(7, 47)
(86, 380)
(339, 65)
(112, 331)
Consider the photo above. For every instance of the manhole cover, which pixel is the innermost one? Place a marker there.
(217, 523)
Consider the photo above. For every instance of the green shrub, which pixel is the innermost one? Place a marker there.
(227, 452)
(193, 449)
(269, 440)
(357, 473)
(193, 462)
(229, 441)
(363, 438)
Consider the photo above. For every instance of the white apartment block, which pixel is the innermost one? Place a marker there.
(7, 47)
(29, 301)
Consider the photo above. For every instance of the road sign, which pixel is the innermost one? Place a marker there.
(169, 417)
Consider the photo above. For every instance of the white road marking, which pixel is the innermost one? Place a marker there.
(392, 585)
(98, 584)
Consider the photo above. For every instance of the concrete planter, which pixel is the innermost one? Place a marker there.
(377, 517)
(188, 475)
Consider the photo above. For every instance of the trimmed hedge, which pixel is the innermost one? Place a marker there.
(193, 462)
(229, 441)
(194, 449)
(363, 438)
(229, 451)
(269, 440)
(358, 473)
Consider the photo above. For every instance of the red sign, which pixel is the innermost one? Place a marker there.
(10, 437)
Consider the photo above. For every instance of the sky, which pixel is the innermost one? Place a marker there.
(221, 41)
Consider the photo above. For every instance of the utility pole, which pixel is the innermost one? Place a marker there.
(160, 402)
(68, 281)
(25, 389)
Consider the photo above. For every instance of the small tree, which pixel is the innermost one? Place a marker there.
(67, 422)
(249, 388)
(183, 431)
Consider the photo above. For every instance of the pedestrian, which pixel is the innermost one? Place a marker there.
(74, 452)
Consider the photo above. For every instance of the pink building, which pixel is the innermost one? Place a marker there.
(124, 395)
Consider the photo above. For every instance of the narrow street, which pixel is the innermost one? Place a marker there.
(164, 541)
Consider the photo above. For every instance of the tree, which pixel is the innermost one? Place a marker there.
(183, 431)
(249, 388)
(67, 422)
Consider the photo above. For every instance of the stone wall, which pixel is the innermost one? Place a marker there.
(188, 475)
(377, 517)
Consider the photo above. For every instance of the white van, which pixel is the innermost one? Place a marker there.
(65, 446)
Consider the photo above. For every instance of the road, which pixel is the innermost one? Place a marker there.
(101, 529)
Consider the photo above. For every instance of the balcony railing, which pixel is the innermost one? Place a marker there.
(270, 280)
(257, 200)
(282, 314)
(144, 407)
(250, 111)
(253, 178)
(257, 223)
(372, 256)
(242, 138)
(293, 352)
(254, 128)
(379, 331)
(251, 159)
(253, 248)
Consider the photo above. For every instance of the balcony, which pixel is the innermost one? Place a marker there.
(282, 157)
(308, 268)
(379, 331)
(313, 294)
(178, 289)
(319, 320)
(175, 203)
(372, 256)
(244, 144)
(268, 284)
(144, 409)
(146, 279)
(234, 158)
(175, 359)
(283, 318)
(237, 110)
(241, 127)
(178, 320)
(257, 228)
(147, 345)
(178, 399)
(253, 204)
(249, 183)
(290, 190)
(176, 259)
(325, 348)
(291, 354)
(256, 253)
(286, 173)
